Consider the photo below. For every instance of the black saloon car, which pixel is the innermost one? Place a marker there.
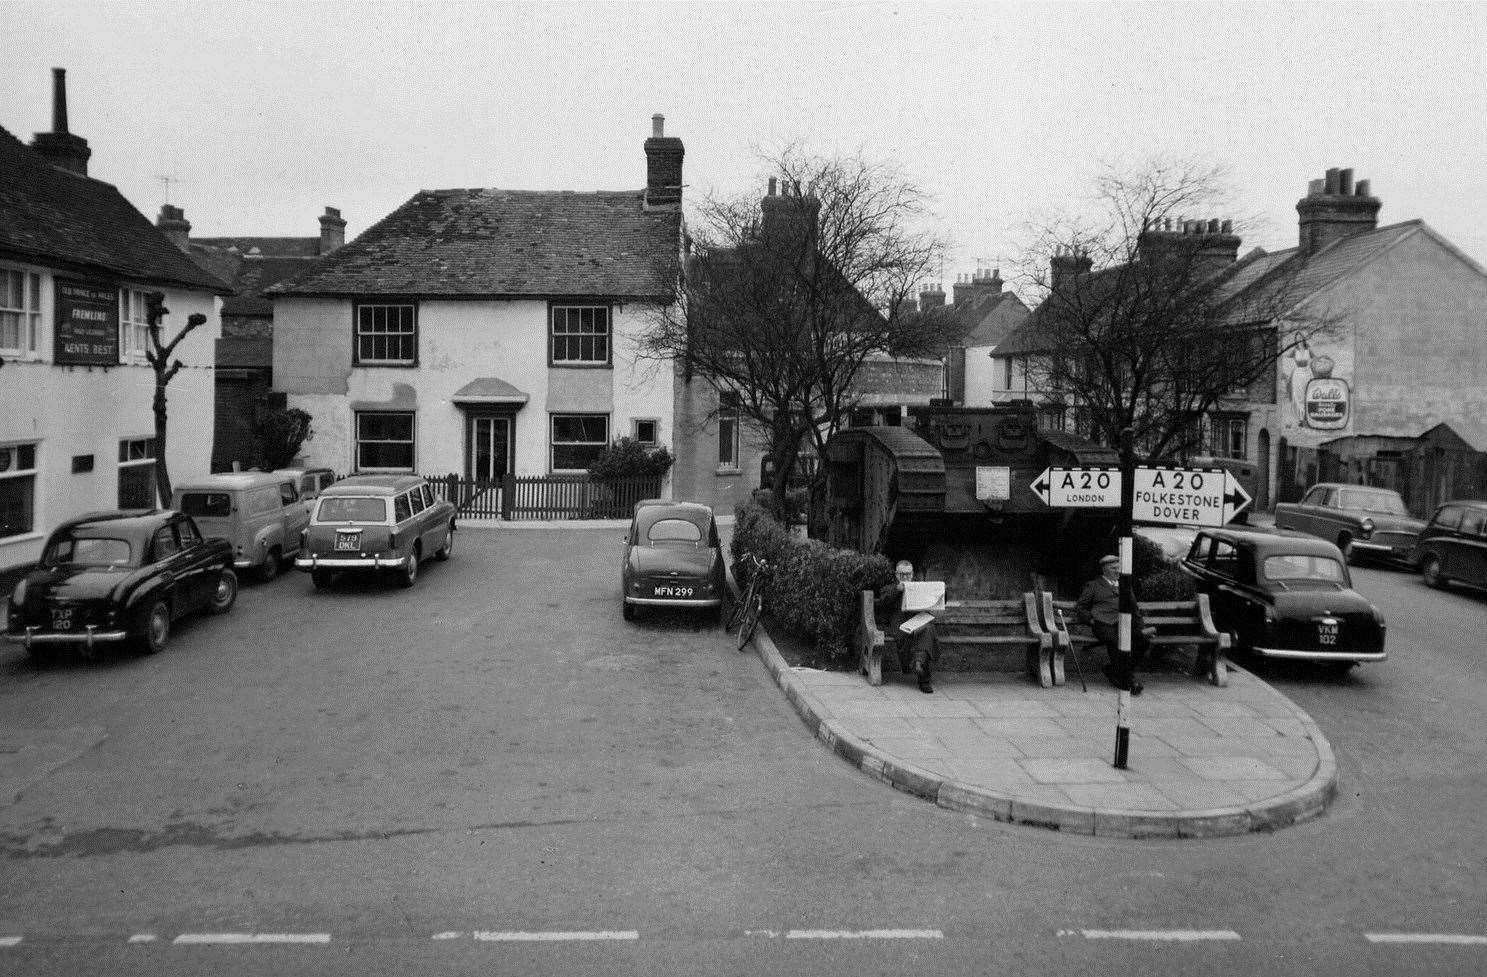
(1453, 545)
(111, 577)
(1285, 595)
(672, 559)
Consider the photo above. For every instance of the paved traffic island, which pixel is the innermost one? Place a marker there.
(1204, 761)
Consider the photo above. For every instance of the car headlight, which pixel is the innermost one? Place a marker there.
(18, 596)
(1367, 527)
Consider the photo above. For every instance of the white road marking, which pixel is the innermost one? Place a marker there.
(142, 938)
(9, 940)
(450, 935)
(1170, 936)
(555, 937)
(769, 934)
(209, 939)
(1455, 939)
(865, 935)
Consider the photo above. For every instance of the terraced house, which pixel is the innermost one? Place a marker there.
(482, 332)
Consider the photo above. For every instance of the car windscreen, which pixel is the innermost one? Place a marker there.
(1385, 503)
(674, 531)
(346, 508)
(88, 551)
(1291, 567)
(207, 505)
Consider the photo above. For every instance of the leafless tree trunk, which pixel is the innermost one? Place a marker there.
(158, 354)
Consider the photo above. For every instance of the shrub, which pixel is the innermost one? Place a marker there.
(813, 592)
(627, 457)
(278, 434)
(1166, 581)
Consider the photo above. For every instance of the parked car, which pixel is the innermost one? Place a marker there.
(1360, 519)
(1285, 595)
(1453, 545)
(310, 482)
(262, 514)
(111, 577)
(376, 522)
(673, 558)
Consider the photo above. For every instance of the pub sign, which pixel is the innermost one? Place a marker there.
(87, 324)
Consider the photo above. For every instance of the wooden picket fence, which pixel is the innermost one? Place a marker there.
(545, 496)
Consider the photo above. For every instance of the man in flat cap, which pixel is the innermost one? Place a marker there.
(1099, 607)
(918, 652)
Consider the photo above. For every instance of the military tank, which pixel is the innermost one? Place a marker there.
(950, 489)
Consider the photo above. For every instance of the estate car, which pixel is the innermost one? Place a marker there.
(1285, 595)
(376, 522)
(673, 558)
(1453, 545)
(111, 577)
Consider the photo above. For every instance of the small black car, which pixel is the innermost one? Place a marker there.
(110, 577)
(673, 558)
(1286, 595)
(1453, 545)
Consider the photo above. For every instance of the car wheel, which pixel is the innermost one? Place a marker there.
(270, 568)
(447, 550)
(154, 628)
(226, 593)
(320, 578)
(627, 609)
(409, 576)
(1431, 571)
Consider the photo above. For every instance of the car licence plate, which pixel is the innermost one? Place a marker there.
(1327, 631)
(674, 591)
(62, 618)
(348, 541)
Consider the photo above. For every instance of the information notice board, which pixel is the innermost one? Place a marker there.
(87, 324)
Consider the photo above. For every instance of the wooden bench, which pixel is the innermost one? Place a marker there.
(1177, 622)
(982, 624)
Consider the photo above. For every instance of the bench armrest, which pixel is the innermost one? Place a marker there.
(1223, 639)
(869, 639)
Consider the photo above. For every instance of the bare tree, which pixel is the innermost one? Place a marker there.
(158, 353)
(1150, 320)
(785, 299)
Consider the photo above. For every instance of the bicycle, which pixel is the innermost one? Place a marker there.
(750, 607)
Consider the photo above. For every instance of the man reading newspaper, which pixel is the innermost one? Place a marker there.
(904, 610)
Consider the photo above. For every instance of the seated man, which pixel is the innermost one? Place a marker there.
(1099, 607)
(920, 650)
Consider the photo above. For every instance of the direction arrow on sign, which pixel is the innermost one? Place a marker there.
(1190, 496)
(1073, 488)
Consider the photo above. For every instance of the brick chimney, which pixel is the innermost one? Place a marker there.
(174, 225)
(1333, 209)
(1067, 265)
(932, 296)
(790, 214)
(1211, 245)
(332, 230)
(663, 168)
(983, 281)
(61, 148)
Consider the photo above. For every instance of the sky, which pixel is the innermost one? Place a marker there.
(262, 114)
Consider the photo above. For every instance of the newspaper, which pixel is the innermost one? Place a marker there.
(923, 595)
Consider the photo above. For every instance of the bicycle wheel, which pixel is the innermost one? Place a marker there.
(752, 613)
(736, 616)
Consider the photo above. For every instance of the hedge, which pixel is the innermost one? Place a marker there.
(813, 590)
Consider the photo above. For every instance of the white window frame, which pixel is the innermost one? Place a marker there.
(137, 452)
(10, 453)
(730, 424)
(552, 442)
(20, 302)
(635, 423)
(357, 440)
(570, 334)
(134, 323)
(360, 330)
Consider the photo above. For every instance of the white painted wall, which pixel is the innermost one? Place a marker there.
(77, 410)
(459, 341)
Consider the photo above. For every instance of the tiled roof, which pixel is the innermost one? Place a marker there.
(59, 218)
(279, 247)
(250, 275)
(977, 317)
(506, 242)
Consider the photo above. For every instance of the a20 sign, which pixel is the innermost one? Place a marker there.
(1079, 488)
(1190, 496)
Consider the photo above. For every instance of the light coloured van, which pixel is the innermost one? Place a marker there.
(260, 513)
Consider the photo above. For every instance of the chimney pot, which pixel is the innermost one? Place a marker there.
(1227, 227)
(771, 186)
(1362, 189)
(173, 224)
(332, 230)
(1213, 226)
(1314, 188)
(1333, 175)
(1345, 182)
(663, 167)
(658, 125)
(59, 99)
(61, 148)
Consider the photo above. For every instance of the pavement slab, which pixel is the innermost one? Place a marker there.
(1203, 761)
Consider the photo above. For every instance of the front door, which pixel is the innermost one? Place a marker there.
(490, 448)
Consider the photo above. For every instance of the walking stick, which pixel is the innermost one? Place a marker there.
(1073, 652)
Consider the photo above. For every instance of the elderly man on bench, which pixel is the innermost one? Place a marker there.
(919, 650)
(1099, 607)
